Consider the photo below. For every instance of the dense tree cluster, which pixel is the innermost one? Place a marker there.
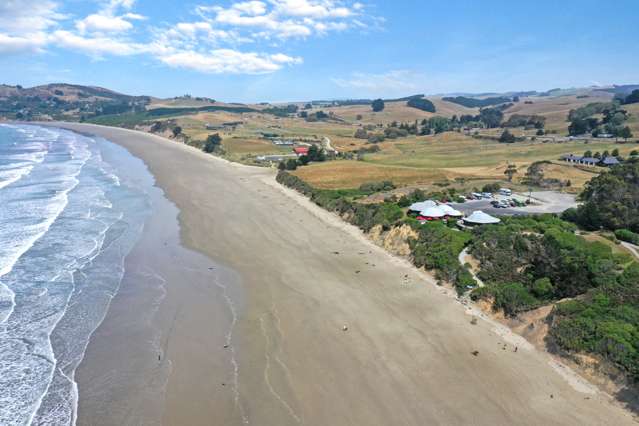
(604, 322)
(527, 121)
(632, 98)
(317, 116)
(492, 117)
(212, 143)
(282, 111)
(610, 200)
(422, 104)
(612, 123)
(378, 105)
(507, 137)
(477, 103)
(522, 252)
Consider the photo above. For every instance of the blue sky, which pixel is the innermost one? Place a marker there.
(285, 50)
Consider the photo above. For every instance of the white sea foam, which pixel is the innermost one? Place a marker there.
(65, 227)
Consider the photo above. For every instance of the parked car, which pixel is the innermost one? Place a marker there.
(486, 195)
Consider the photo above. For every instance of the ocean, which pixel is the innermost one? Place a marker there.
(71, 208)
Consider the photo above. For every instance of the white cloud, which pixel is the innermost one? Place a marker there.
(103, 23)
(286, 18)
(116, 4)
(97, 46)
(107, 19)
(24, 24)
(396, 81)
(312, 9)
(12, 44)
(251, 7)
(208, 44)
(228, 61)
(134, 16)
(27, 16)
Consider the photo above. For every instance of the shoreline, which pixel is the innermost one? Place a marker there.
(398, 330)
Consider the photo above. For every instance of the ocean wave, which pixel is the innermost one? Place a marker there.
(65, 228)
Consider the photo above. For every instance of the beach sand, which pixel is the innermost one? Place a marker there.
(298, 276)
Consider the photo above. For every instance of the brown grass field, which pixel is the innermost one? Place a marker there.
(426, 160)
(351, 174)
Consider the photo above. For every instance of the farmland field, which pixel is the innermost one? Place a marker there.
(443, 159)
(429, 159)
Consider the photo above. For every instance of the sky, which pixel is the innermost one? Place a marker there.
(296, 50)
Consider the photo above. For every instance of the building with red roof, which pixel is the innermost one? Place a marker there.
(300, 150)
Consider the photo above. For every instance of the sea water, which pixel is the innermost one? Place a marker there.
(69, 215)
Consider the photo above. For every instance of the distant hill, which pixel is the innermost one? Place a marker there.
(72, 102)
(67, 92)
(350, 102)
(65, 102)
(623, 90)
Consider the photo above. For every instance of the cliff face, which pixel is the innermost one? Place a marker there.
(395, 240)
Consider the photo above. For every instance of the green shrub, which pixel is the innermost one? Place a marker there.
(464, 280)
(627, 235)
(491, 187)
(213, 143)
(372, 187)
(542, 288)
(291, 164)
(438, 247)
(513, 298)
(605, 322)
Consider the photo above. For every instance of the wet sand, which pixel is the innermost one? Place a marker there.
(406, 356)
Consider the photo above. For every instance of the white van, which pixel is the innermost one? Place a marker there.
(505, 192)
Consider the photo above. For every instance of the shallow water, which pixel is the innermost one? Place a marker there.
(68, 218)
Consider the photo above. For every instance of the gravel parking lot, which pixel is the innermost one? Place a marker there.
(543, 202)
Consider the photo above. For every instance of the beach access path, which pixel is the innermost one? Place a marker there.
(336, 331)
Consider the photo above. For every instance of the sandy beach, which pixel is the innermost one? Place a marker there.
(286, 277)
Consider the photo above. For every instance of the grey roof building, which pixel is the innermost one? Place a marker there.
(610, 161)
(590, 161)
